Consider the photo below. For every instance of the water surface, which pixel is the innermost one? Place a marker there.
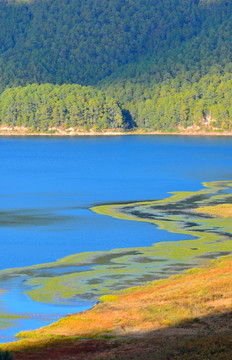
(49, 184)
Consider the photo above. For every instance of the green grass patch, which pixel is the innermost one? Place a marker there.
(120, 269)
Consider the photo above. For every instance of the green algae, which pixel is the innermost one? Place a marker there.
(94, 274)
(8, 319)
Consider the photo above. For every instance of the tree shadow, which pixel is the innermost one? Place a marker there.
(128, 121)
(205, 338)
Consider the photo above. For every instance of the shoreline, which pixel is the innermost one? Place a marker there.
(59, 132)
(181, 304)
(190, 249)
(160, 320)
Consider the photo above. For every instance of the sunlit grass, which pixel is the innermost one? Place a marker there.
(222, 210)
(188, 297)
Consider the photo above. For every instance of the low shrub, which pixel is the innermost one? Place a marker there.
(6, 355)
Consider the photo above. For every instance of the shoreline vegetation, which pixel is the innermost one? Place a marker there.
(183, 317)
(59, 131)
(90, 275)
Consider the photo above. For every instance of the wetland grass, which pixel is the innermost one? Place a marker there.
(194, 306)
(186, 316)
(104, 272)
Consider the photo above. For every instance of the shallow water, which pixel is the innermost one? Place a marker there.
(34, 314)
(49, 184)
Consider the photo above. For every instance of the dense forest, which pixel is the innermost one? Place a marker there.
(118, 64)
(51, 106)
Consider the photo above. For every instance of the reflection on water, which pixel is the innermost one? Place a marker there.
(32, 217)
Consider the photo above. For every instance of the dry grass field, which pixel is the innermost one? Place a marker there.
(222, 210)
(185, 317)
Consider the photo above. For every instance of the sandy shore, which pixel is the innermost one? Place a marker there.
(22, 131)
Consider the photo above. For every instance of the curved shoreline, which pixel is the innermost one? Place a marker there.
(183, 307)
(159, 261)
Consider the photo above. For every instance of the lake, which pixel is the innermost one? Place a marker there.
(49, 184)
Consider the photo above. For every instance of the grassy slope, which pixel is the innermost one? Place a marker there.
(184, 317)
(192, 307)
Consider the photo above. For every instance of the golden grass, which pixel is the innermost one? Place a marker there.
(222, 210)
(161, 304)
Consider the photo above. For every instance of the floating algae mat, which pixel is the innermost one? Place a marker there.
(87, 276)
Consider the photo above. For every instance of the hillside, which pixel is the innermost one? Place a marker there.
(184, 317)
(165, 65)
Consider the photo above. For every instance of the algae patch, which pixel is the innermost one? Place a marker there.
(87, 276)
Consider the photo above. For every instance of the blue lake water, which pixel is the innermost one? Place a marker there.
(47, 186)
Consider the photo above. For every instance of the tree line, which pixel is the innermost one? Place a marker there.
(159, 65)
(51, 106)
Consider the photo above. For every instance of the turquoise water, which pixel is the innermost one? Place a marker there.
(47, 186)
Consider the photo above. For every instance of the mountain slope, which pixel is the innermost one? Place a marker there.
(167, 64)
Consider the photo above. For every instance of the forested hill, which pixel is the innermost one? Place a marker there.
(83, 41)
(157, 65)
